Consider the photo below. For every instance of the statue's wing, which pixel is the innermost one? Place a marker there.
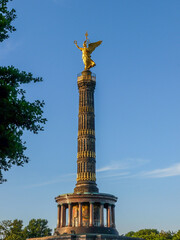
(92, 46)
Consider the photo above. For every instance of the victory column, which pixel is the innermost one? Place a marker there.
(86, 206)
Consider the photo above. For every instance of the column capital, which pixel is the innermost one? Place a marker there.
(110, 204)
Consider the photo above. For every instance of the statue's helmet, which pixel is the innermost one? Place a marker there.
(85, 43)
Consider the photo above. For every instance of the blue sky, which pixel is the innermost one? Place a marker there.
(136, 106)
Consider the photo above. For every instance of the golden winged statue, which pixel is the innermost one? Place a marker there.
(86, 52)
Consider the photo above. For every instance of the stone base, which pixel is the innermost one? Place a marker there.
(86, 231)
(85, 237)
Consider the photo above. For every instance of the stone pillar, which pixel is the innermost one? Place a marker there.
(69, 215)
(102, 215)
(113, 216)
(91, 223)
(80, 214)
(59, 216)
(109, 216)
(62, 216)
(64, 223)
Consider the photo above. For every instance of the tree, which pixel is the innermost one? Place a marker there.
(151, 234)
(130, 234)
(6, 17)
(16, 231)
(165, 235)
(37, 228)
(12, 230)
(148, 234)
(176, 236)
(16, 113)
(5, 228)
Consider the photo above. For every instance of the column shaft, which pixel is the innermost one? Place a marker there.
(106, 217)
(102, 215)
(64, 219)
(91, 223)
(59, 216)
(80, 214)
(109, 216)
(86, 135)
(69, 215)
(62, 216)
(113, 217)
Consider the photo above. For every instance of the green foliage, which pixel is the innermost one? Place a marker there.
(13, 230)
(37, 228)
(165, 235)
(16, 231)
(176, 236)
(6, 17)
(5, 228)
(130, 234)
(16, 115)
(148, 234)
(153, 234)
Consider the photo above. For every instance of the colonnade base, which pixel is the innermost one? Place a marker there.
(85, 237)
(86, 230)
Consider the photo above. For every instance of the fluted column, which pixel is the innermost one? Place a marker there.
(69, 215)
(91, 222)
(113, 216)
(109, 216)
(86, 156)
(102, 215)
(80, 214)
(59, 216)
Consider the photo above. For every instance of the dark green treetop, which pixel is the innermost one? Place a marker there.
(16, 115)
(6, 17)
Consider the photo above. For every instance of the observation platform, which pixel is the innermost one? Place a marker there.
(86, 75)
